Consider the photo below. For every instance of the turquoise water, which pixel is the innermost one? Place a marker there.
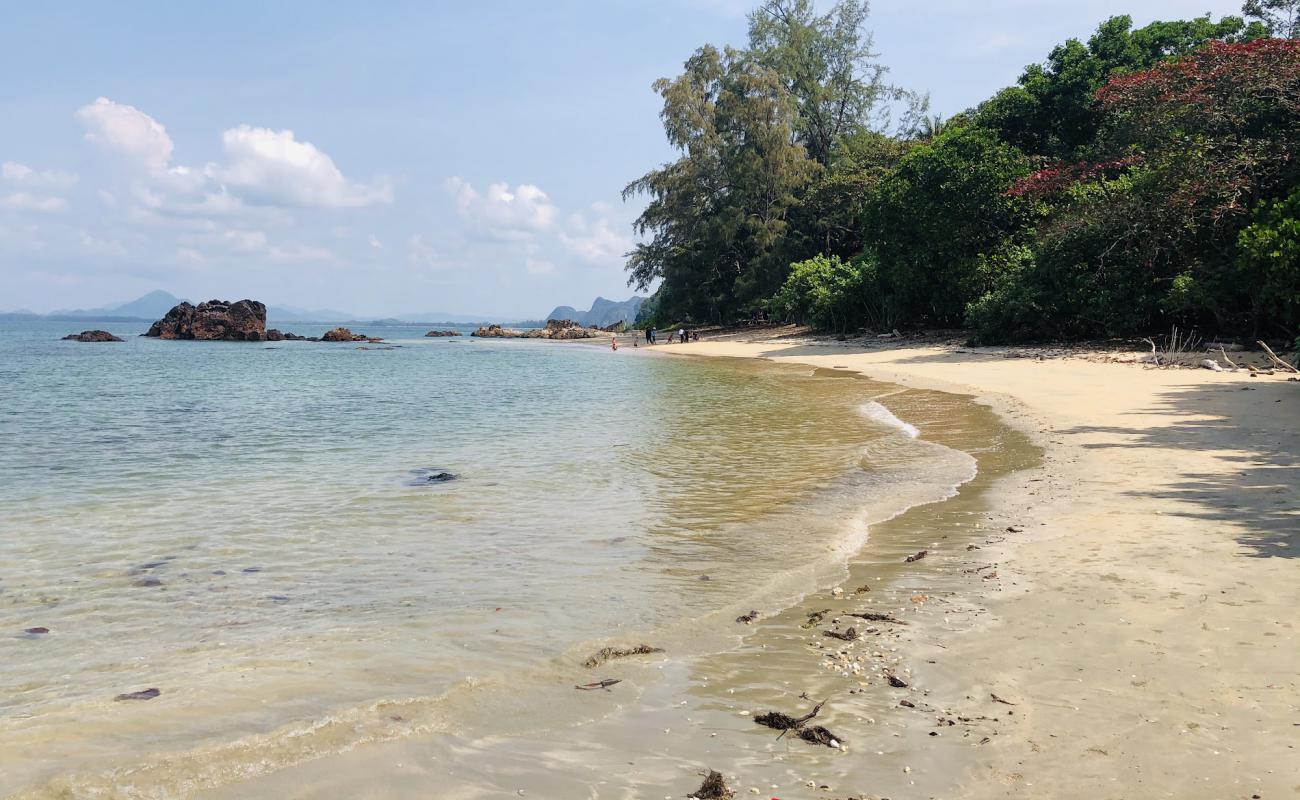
(242, 527)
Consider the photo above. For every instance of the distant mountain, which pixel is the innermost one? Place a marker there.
(149, 307)
(603, 312)
(289, 314)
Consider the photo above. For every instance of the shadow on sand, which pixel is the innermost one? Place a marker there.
(1262, 494)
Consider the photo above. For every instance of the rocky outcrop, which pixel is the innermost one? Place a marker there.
(346, 335)
(555, 329)
(443, 333)
(215, 320)
(91, 336)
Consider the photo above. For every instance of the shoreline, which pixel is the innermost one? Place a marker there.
(1142, 620)
(688, 712)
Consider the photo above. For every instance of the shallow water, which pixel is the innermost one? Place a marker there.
(238, 526)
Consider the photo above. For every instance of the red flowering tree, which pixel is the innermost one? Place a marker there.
(1221, 126)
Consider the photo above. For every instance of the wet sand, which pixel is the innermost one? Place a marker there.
(1143, 615)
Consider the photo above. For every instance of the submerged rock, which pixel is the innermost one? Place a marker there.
(91, 336)
(424, 477)
(145, 694)
(215, 320)
(443, 333)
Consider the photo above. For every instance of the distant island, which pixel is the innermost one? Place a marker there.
(603, 313)
(158, 303)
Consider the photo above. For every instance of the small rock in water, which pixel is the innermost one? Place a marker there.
(146, 694)
(251, 569)
(424, 477)
(147, 582)
(37, 631)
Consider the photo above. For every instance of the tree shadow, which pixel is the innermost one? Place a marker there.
(1259, 490)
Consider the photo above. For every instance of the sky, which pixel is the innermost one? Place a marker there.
(398, 157)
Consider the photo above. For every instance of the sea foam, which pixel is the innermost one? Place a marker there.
(878, 413)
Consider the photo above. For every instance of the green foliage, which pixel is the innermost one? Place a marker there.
(827, 64)
(1053, 112)
(826, 292)
(933, 217)
(1270, 259)
(1281, 17)
(1143, 178)
(717, 214)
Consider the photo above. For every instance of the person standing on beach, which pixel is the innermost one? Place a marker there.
(681, 335)
(650, 335)
(613, 343)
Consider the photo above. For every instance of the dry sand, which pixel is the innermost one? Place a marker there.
(1145, 618)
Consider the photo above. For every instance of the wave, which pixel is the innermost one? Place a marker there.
(877, 413)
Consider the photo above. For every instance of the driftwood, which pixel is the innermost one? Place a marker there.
(605, 684)
(610, 653)
(1279, 363)
(920, 554)
(851, 635)
(1224, 353)
(895, 681)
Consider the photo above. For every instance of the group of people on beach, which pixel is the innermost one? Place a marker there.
(682, 335)
(652, 337)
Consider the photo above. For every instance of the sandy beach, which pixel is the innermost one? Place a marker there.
(1143, 618)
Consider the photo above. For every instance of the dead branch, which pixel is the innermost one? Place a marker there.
(1276, 361)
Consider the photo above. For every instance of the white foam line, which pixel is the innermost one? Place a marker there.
(878, 413)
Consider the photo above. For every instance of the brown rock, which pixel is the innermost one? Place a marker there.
(91, 336)
(346, 335)
(443, 333)
(241, 321)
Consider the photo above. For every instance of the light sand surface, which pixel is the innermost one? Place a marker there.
(1145, 618)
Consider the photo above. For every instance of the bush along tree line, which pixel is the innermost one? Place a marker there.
(1144, 178)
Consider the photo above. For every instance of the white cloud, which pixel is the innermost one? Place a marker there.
(101, 247)
(128, 130)
(262, 167)
(298, 253)
(537, 266)
(244, 241)
(274, 168)
(23, 175)
(595, 242)
(374, 242)
(421, 252)
(190, 255)
(502, 212)
(26, 201)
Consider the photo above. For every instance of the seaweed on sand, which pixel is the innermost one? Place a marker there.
(713, 788)
(611, 653)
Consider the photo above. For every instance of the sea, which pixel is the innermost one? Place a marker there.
(250, 529)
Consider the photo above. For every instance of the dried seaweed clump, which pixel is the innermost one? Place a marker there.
(713, 788)
(611, 653)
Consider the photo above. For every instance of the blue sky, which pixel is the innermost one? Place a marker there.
(403, 157)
